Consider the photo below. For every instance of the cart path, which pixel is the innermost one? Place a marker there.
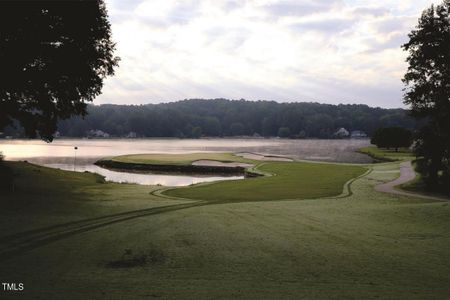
(407, 174)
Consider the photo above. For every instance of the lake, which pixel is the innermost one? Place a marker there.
(61, 154)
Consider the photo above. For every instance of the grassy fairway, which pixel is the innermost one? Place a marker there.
(178, 159)
(45, 196)
(290, 180)
(367, 246)
(388, 155)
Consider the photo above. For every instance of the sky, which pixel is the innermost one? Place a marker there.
(327, 51)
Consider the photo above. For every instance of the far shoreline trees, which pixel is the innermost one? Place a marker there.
(230, 118)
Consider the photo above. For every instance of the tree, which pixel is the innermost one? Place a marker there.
(392, 137)
(54, 57)
(427, 90)
(268, 126)
(212, 126)
(237, 129)
(196, 132)
(284, 132)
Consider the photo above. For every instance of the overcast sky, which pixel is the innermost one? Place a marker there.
(329, 51)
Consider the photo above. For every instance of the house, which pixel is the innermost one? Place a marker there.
(358, 134)
(342, 133)
(131, 135)
(97, 134)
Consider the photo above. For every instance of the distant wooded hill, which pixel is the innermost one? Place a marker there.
(220, 117)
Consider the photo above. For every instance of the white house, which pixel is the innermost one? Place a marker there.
(342, 133)
(97, 134)
(358, 134)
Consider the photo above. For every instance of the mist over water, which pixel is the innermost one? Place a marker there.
(61, 154)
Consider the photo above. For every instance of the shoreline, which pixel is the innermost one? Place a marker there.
(170, 168)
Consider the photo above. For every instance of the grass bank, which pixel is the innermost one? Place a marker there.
(289, 180)
(39, 196)
(387, 155)
(417, 185)
(125, 243)
(178, 159)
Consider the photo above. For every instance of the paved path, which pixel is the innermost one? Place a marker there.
(406, 174)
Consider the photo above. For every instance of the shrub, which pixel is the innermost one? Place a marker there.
(392, 137)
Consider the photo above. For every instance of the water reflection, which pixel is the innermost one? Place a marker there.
(325, 150)
(148, 179)
(61, 153)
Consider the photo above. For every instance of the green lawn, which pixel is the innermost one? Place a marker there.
(388, 154)
(290, 180)
(417, 185)
(45, 196)
(93, 240)
(178, 159)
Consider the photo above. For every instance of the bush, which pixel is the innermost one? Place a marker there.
(441, 184)
(392, 137)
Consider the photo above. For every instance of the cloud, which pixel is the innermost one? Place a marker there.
(394, 41)
(334, 25)
(371, 11)
(304, 50)
(393, 24)
(166, 13)
(300, 7)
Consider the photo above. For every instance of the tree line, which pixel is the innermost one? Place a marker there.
(220, 117)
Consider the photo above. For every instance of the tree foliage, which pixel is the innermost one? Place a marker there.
(220, 117)
(428, 90)
(54, 56)
(284, 132)
(392, 137)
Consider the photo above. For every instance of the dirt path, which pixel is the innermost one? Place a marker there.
(406, 174)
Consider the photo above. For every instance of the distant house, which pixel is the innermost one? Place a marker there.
(131, 135)
(97, 134)
(342, 133)
(358, 134)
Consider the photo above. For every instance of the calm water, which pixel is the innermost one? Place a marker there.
(142, 178)
(61, 153)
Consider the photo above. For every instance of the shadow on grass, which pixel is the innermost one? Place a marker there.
(131, 260)
(18, 243)
(13, 245)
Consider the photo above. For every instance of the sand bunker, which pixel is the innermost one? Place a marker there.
(318, 158)
(257, 156)
(215, 163)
